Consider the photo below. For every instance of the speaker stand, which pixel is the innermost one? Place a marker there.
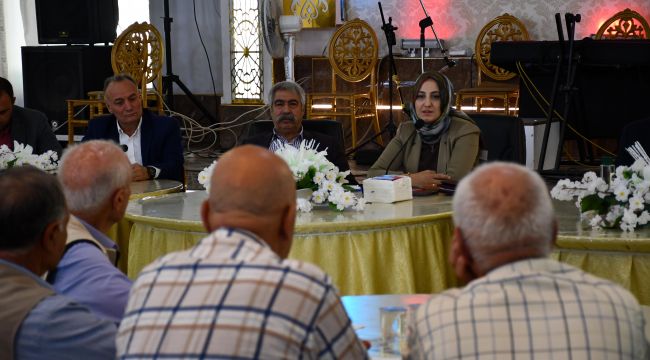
(169, 79)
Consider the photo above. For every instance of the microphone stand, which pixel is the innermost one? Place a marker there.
(389, 31)
(449, 63)
(424, 23)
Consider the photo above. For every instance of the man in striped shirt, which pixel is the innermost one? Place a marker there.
(518, 302)
(235, 295)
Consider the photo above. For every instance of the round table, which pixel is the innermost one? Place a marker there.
(120, 232)
(385, 249)
(622, 257)
(399, 248)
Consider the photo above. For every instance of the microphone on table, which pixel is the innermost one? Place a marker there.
(418, 123)
(124, 147)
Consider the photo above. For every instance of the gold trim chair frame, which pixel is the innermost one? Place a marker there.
(499, 83)
(138, 51)
(352, 53)
(626, 24)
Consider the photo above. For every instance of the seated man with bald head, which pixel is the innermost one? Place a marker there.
(96, 177)
(235, 294)
(519, 303)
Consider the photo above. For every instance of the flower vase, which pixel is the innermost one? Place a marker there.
(304, 194)
(586, 218)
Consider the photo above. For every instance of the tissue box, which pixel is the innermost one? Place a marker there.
(387, 189)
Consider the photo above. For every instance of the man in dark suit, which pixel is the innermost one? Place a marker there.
(287, 110)
(26, 126)
(153, 143)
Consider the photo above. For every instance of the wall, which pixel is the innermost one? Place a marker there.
(459, 22)
(189, 60)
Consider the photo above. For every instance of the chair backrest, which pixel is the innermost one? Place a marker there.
(138, 51)
(626, 24)
(502, 28)
(503, 137)
(328, 127)
(353, 52)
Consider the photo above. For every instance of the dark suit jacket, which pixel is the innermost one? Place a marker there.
(31, 127)
(160, 141)
(635, 131)
(335, 152)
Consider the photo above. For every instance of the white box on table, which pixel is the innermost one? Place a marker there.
(387, 189)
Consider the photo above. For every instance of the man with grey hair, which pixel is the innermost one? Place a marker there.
(153, 143)
(519, 303)
(287, 100)
(96, 177)
(38, 323)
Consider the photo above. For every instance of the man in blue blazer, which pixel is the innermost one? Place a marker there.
(153, 143)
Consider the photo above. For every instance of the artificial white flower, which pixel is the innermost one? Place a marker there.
(623, 202)
(205, 175)
(636, 203)
(22, 155)
(319, 177)
(319, 196)
(596, 221)
(644, 218)
(303, 205)
(312, 169)
(622, 193)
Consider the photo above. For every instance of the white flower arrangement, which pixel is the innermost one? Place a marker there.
(205, 175)
(23, 155)
(624, 203)
(312, 170)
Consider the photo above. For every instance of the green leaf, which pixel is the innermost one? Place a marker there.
(594, 202)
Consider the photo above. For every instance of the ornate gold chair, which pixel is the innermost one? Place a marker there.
(626, 24)
(138, 51)
(500, 83)
(352, 54)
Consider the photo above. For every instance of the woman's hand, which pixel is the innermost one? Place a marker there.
(427, 179)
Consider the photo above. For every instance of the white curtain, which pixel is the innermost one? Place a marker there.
(3, 42)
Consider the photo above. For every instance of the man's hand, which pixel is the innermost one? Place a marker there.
(428, 179)
(140, 172)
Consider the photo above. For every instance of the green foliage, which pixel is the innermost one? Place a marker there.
(596, 203)
(307, 181)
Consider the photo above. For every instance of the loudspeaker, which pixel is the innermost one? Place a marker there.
(53, 74)
(76, 21)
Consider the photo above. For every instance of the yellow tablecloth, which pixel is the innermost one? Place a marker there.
(388, 248)
(612, 254)
(120, 232)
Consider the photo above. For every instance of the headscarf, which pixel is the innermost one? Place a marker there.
(430, 133)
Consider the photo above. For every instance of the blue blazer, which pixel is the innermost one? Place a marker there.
(160, 141)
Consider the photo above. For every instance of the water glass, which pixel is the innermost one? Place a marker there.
(392, 320)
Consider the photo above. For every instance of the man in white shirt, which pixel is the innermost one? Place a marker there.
(519, 303)
(152, 143)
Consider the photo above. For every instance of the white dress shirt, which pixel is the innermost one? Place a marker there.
(133, 151)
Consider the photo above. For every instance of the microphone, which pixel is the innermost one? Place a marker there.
(418, 123)
(124, 147)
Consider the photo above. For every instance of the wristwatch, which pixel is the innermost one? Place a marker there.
(151, 171)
